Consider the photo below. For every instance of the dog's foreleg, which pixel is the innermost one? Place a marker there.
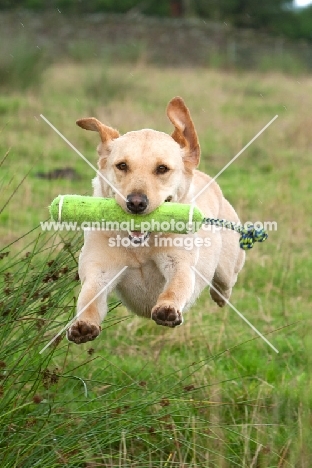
(92, 304)
(180, 282)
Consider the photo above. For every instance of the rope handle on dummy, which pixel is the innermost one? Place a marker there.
(105, 213)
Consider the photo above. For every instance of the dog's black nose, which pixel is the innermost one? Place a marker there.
(137, 203)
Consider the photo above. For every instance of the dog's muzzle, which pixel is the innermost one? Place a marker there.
(137, 203)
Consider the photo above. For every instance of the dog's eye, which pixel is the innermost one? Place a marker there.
(162, 169)
(122, 166)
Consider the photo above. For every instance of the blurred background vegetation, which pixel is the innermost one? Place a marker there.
(240, 34)
(274, 16)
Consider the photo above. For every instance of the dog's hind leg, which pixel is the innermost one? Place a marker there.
(231, 262)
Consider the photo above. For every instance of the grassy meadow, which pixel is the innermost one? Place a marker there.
(210, 393)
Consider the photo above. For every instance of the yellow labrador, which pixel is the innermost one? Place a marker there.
(141, 170)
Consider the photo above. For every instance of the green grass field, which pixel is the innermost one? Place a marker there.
(210, 393)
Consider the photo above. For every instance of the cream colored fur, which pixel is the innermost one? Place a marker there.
(159, 283)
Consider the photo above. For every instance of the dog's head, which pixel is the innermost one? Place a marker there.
(144, 168)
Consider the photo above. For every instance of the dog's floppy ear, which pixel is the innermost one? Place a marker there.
(184, 134)
(106, 133)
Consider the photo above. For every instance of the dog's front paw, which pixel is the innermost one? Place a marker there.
(167, 315)
(81, 331)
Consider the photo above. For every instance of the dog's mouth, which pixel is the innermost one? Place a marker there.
(138, 237)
